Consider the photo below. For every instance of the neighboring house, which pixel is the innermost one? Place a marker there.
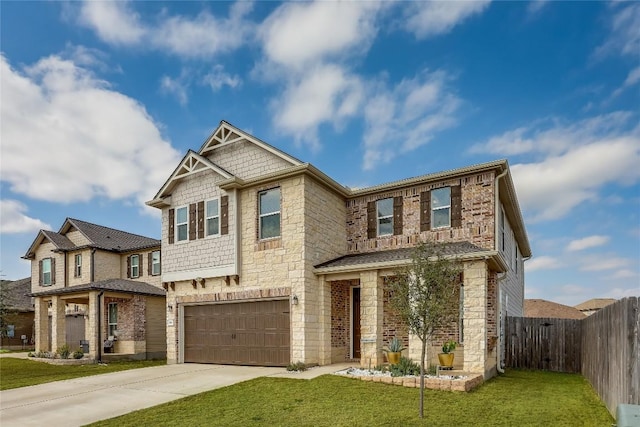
(591, 306)
(267, 260)
(17, 308)
(544, 308)
(110, 278)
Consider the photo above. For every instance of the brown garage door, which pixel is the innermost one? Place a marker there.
(245, 333)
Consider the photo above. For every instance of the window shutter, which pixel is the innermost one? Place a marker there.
(149, 266)
(224, 215)
(425, 211)
(192, 221)
(201, 219)
(456, 206)
(397, 215)
(372, 221)
(129, 267)
(172, 224)
(53, 271)
(40, 270)
(140, 266)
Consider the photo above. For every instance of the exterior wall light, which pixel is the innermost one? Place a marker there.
(294, 300)
(170, 307)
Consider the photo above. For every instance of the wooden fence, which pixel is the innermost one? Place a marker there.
(604, 347)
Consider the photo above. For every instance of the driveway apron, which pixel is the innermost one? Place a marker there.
(85, 400)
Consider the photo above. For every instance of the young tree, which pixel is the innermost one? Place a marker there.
(425, 295)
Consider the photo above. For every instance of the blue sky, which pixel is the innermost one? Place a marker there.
(100, 100)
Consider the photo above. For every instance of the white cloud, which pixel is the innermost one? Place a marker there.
(116, 23)
(534, 7)
(217, 78)
(542, 263)
(429, 18)
(587, 242)
(13, 218)
(176, 87)
(624, 274)
(407, 116)
(632, 79)
(619, 293)
(603, 263)
(624, 38)
(66, 136)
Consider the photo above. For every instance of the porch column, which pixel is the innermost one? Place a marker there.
(324, 297)
(475, 316)
(58, 323)
(371, 315)
(41, 320)
(93, 324)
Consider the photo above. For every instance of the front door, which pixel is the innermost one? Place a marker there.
(355, 322)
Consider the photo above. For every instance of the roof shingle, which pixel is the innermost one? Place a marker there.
(116, 285)
(111, 239)
(544, 308)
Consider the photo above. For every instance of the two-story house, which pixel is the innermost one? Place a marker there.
(112, 276)
(268, 261)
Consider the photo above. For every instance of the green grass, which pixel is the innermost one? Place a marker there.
(518, 398)
(16, 373)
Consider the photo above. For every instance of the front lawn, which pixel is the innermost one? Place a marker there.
(16, 373)
(518, 398)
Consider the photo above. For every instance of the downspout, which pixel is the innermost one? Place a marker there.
(93, 264)
(496, 242)
(99, 326)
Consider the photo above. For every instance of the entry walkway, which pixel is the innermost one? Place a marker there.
(81, 401)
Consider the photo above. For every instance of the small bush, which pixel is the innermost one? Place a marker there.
(64, 351)
(78, 354)
(405, 367)
(297, 366)
(381, 368)
(31, 354)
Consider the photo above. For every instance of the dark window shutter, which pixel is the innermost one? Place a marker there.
(425, 211)
(129, 267)
(192, 221)
(397, 215)
(201, 219)
(172, 213)
(372, 220)
(40, 270)
(140, 264)
(53, 271)
(224, 215)
(149, 266)
(456, 206)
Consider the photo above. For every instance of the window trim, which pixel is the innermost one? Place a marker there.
(433, 209)
(178, 224)
(46, 261)
(77, 270)
(207, 217)
(378, 217)
(278, 212)
(131, 266)
(110, 322)
(153, 264)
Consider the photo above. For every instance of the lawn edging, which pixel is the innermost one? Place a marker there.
(64, 362)
(466, 384)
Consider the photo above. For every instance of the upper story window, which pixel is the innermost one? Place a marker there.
(77, 271)
(46, 272)
(384, 210)
(155, 263)
(441, 207)
(212, 216)
(269, 213)
(182, 224)
(134, 266)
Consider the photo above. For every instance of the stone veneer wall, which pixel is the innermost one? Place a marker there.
(477, 216)
(246, 160)
(131, 323)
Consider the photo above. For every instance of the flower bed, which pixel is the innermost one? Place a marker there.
(465, 382)
(83, 361)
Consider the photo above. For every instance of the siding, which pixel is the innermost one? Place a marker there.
(246, 160)
(107, 266)
(513, 284)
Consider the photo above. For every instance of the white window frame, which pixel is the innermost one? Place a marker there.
(379, 218)
(154, 263)
(434, 209)
(78, 265)
(112, 325)
(46, 262)
(278, 212)
(207, 217)
(182, 224)
(131, 266)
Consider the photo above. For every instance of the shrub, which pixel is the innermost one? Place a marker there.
(78, 354)
(64, 351)
(297, 366)
(405, 367)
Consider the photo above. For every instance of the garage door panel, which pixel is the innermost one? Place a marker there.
(247, 333)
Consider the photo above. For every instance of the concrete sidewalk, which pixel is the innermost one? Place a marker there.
(85, 400)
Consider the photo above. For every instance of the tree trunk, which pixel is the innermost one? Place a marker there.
(424, 350)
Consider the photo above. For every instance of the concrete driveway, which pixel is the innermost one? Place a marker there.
(85, 400)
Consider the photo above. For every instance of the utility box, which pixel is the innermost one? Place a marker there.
(628, 415)
(84, 346)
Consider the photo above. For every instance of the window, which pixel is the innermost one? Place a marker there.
(269, 213)
(212, 216)
(77, 272)
(182, 223)
(441, 207)
(155, 263)
(135, 266)
(384, 210)
(46, 272)
(112, 319)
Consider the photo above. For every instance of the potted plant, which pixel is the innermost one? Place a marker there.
(394, 350)
(446, 357)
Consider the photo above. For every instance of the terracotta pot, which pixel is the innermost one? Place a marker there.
(393, 358)
(446, 359)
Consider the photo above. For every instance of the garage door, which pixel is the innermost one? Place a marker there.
(246, 333)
